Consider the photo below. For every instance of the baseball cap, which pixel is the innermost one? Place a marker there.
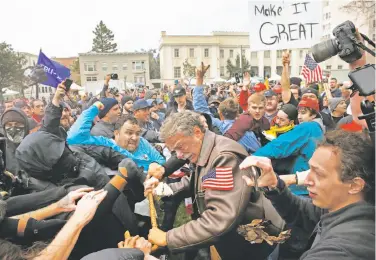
(277, 89)
(270, 93)
(290, 111)
(259, 87)
(151, 102)
(179, 91)
(159, 101)
(310, 90)
(309, 103)
(140, 104)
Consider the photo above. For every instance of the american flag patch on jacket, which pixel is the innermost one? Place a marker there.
(220, 178)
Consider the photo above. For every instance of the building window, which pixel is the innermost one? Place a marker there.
(104, 66)
(221, 54)
(340, 67)
(191, 53)
(177, 72)
(266, 54)
(91, 79)
(176, 53)
(125, 66)
(222, 72)
(254, 55)
(90, 67)
(329, 67)
(206, 52)
(138, 65)
(279, 70)
(231, 53)
(139, 79)
(279, 54)
(114, 67)
(254, 71)
(267, 71)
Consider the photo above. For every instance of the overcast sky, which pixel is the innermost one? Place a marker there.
(64, 28)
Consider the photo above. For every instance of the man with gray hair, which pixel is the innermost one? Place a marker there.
(221, 200)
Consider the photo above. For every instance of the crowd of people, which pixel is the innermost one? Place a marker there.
(76, 170)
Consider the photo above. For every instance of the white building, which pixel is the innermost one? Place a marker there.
(131, 67)
(215, 50)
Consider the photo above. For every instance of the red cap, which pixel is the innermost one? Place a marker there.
(351, 127)
(259, 87)
(277, 89)
(310, 103)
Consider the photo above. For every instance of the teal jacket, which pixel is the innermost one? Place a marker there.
(79, 134)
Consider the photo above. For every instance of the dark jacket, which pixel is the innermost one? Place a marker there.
(44, 155)
(245, 123)
(348, 233)
(103, 129)
(174, 108)
(116, 254)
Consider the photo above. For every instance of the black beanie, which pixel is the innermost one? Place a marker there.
(125, 99)
(290, 111)
(108, 103)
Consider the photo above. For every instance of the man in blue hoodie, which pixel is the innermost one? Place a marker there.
(143, 154)
(299, 143)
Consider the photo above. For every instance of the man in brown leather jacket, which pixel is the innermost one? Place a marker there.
(219, 193)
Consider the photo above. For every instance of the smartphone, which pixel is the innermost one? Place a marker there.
(364, 79)
(68, 84)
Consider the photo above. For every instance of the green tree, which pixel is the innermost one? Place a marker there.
(11, 69)
(235, 68)
(75, 67)
(189, 71)
(103, 41)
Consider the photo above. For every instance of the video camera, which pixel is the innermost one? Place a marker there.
(349, 49)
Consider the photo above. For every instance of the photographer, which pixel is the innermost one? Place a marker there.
(341, 184)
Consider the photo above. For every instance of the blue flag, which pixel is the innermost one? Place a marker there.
(55, 72)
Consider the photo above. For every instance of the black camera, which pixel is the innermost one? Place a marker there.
(114, 76)
(237, 78)
(363, 80)
(344, 44)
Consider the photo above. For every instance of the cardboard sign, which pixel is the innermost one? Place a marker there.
(277, 25)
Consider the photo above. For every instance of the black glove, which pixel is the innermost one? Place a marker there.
(128, 170)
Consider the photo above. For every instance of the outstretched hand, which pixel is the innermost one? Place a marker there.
(268, 177)
(200, 73)
(68, 203)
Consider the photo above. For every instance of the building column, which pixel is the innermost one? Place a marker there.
(260, 57)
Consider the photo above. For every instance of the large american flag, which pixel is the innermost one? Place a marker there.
(311, 70)
(220, 178)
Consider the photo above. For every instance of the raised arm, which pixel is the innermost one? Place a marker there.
(51, 120)
(80, 130)
(285, 78)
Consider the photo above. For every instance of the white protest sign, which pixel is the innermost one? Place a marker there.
(287, 24)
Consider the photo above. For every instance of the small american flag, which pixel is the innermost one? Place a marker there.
(311, 70)
(220, 178)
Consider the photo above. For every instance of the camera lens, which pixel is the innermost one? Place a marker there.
(114, 76)
(324, 50)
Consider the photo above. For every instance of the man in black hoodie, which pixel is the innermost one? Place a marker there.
(341, 184)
